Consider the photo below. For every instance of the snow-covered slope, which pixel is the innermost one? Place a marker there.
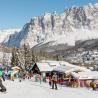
(75, 23)
(5, 34)
(30, 89)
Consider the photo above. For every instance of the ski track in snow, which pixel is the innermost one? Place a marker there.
(30, 89)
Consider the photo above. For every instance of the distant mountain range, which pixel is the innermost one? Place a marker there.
(53, 29)
(5, 34)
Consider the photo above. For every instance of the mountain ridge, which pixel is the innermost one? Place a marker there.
(75, 23)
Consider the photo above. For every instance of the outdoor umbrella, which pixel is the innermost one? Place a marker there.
(16, 68)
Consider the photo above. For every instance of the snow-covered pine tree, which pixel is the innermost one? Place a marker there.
(27, 55)
(14, 59)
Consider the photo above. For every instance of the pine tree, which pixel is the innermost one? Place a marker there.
(33, 57)
(14, 59)
(27, 55)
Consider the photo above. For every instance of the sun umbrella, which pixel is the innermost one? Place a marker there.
(16, 68)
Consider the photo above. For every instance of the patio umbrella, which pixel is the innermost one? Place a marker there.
(16, 68)
(14, 72)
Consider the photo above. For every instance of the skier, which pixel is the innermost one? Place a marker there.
(50, 81)
(54, 81)
(2, 87)
(20, 75)
(40, 78)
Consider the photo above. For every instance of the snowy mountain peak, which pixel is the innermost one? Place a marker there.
(75, 23)
(5, 34)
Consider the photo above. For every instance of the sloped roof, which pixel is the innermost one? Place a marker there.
(63, 69)
(51, 63)
(85, 75)
(60, 66)
(43, 67)
(74, 66)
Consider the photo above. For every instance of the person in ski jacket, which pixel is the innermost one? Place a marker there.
(2, 87)
(50, 80)
(54, 81)
(93, 85)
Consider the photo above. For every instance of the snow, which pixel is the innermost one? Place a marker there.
(74, 66)
(6, 57)
(58, 28)
(30, 89)
(86, 75)
(63, 69)
(68, 68)
(43, 67)
(69, 37)
(51, 62)
(61, 66)
(96, 5)
(5, 34)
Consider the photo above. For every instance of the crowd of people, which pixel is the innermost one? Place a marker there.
(52, 78)
(21, 75)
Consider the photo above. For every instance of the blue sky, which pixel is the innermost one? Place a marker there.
(15, 13)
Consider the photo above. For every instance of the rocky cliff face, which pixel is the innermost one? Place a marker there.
(5, 34)
(75, 23)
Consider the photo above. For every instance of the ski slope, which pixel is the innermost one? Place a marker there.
(29, 89)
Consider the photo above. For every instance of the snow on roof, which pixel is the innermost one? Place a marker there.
(86, 75)
(54, 64)
(66, 63)
(63, 69)
(63, 66)
(75, 66)
(43, 67)
(69, 69)
(57, 63)
(51, 63)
